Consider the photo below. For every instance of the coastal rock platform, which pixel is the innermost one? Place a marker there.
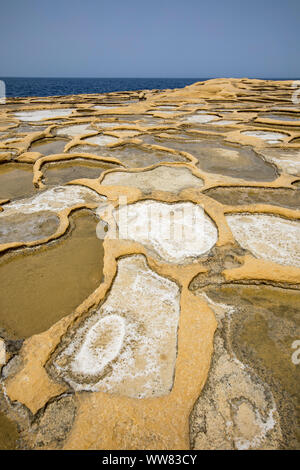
(178, 333)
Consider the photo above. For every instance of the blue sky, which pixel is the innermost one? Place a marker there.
(157, 38)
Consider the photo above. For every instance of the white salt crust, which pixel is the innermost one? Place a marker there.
(127, 133)
(289, 162)
(175, 232)
(98, 106)
(101, 140)
(239, 379)
(270, 137)
(166, 178)
(290, 166)
(2, 352)
(11, 139)
(165, 107)
(224, 123)
(280, 118)
(269, 237)
(116, 124)
(76, 129)
(167, 113)
(97, 350)
(107, 124)
(134, 333)
(31, 228)
(201, 118)
(42, 114)
(54, 199)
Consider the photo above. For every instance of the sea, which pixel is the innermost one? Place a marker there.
(18, 87)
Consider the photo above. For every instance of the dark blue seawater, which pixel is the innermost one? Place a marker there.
(74, 86)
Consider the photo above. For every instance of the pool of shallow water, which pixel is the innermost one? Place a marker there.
(48, 146)
(65, 171)
(25, 128)
(279, 117)
(199, 118)
(38, 115)
(132, 156)
(101, 140)
(120, 117)
(240, 196)
(267, 136)
(165, 107)
(115, 125)
(8, 433)
(15, 180)
(4, 123)
(150, 121)
(215, 157)
(261, 332)
(27, 227)
(40, 286)
(75, 130)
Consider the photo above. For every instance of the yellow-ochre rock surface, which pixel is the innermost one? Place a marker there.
(178, 328)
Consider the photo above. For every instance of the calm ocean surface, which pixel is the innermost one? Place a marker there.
(75, 86)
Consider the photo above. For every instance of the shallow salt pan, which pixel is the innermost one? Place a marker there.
(166, 107)
(224, 123)
(123, 133)
(278, 117)
(105, 107)
(101, 346)
(129, 345)
(166, 113)
(15, 181)
(116, 124)
(237, 405)
(270, 137)
(38, 287)
(42, 114)
(49, 146)
(269, 237)
(174, 232)
(77, 129)
(107, 125)
(101, 140)
(11, 139)
(54, 199)
(27, 227)
(287, 161)
(201, 118)
(162, 178)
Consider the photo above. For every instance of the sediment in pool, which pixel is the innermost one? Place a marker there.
(27, 227)
(16, 180)
(48, 146)
(65, 171)
(243, 196)
(40, 286)
(132, 156)
(8, 433)
(261, 333)
(216, 157)
(166, 178)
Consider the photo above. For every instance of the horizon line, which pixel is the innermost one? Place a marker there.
(159, 78)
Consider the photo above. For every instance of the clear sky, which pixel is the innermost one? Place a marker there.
(155, 38)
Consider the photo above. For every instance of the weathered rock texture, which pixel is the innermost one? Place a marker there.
(182, 341)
